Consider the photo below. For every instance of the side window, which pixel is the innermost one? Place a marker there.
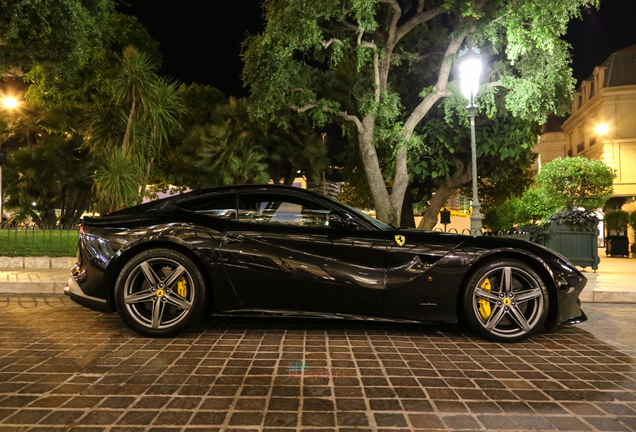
(220, 206)
(271, 208)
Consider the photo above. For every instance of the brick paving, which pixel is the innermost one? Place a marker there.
(66, 368)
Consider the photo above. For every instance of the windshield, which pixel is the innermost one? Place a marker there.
(363, 215)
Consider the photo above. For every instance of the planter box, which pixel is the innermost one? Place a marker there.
(617, 245)
(580, 247)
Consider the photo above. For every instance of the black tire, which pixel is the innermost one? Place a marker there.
(505, 312)
(159, 292)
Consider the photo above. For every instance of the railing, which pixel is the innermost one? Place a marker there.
(30, 241)
(534, 237)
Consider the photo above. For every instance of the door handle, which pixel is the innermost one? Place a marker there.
(229, 239)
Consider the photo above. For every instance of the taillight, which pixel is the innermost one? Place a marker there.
(82, 226)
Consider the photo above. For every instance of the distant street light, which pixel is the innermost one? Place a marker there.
(470, 71)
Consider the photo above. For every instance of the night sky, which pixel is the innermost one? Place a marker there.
(201, 39)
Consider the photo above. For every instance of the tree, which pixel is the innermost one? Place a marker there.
(534, 205)
(577, 182)
(57, 35)
(142, 114)
(54, 173)
(233, 149)
(91, 81)
(331, 59)
(502, 217)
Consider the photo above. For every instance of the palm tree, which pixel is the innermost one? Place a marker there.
(117, 180)
(134, 84)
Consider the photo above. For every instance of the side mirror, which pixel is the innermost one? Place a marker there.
(338, 221)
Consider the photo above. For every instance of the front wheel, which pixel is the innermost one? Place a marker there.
(159, 292)
(505, 301)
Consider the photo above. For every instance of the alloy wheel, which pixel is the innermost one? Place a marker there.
(159, 293)
(508, 302)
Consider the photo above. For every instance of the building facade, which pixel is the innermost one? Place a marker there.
(607, 98)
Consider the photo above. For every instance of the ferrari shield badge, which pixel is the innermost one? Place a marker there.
(400, 239)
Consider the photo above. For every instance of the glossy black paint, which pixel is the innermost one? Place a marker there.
(357, 270)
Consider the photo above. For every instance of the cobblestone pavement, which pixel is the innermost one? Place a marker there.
(64, 367)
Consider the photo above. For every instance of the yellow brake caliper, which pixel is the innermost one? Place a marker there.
(484, 305)
(182, 287)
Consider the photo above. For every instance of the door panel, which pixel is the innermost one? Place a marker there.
(283, 255)
(279, 268)
(359, 266)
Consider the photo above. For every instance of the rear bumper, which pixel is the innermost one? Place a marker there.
(73, 290)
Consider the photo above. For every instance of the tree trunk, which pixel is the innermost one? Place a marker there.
(290, 177)
(407, 218)
(142, 191)
(436, 203)
(461, 177)
(369, 157)
(130, 117)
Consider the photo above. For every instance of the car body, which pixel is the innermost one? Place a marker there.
(277, 250)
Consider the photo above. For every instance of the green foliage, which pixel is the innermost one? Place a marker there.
(577, 182)
(52, 173)
(379, 68)
(503, 216)
(91, 81)
(534, 206)
(578, 220)
(616, 221)
(229, 148)
(632, 220)
(57, 35)
(117, 179)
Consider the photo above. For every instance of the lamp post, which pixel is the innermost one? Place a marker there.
(9, 103)
(470, 70)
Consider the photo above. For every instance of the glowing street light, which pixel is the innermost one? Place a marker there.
(470, 71)
(10, 102)
(601, 129)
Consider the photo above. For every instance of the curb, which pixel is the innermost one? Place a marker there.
(32, 287)
(36, 263)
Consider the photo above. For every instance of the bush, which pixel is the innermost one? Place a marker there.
(577, 182)
(535, 204)
(502, 217)
(632, 220)
(578, 220)
(617, 221)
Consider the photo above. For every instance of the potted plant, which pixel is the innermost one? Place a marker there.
(575, 183)
(632, 223)
(616, 242)
(574, 233)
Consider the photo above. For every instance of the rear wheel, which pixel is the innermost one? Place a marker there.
(159, 292)
(505, 301)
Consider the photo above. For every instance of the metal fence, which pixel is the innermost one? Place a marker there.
(534, 236)
(30, 241)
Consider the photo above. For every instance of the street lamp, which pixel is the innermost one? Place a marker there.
(10, 102)
(469, 71)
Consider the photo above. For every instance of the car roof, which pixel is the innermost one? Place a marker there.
(168, 203)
